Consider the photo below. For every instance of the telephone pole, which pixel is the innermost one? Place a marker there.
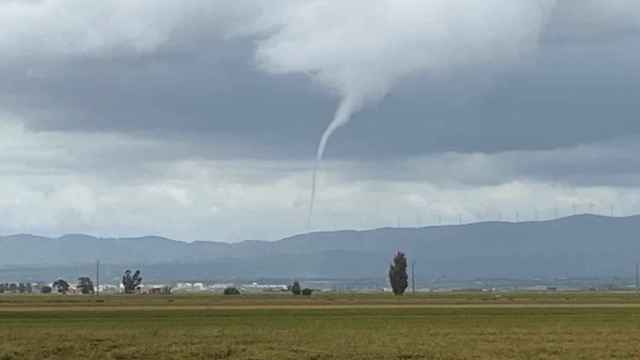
(98, 278)
(413, 277)
(637, 278)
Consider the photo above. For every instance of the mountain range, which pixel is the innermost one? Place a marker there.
(576, 246)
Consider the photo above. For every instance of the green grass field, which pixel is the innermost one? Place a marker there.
(447, 326)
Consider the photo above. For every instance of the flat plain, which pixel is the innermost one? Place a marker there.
(324, 326)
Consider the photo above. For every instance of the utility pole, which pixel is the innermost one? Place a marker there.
(98, 278)
(413, 277)
(637, 278)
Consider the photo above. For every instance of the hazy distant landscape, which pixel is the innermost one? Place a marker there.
(578, 247)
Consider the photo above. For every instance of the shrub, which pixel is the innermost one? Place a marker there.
(307, 292)
(295, 288)
(85, 285)
(231, 291)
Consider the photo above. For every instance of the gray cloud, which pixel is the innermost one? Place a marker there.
(108, 184)
(157, 107)
(611, 163)
(583, 95)
(174, 78)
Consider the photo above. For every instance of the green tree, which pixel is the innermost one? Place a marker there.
(231, 291)
(307, 292)
(85, 285)
(295, 288)
(131, 282)
(61, 286)
(398, 277)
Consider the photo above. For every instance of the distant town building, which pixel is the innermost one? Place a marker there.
(159, 290)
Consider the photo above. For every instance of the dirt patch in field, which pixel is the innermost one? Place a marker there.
(110, 308)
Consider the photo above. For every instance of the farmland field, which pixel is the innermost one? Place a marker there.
(327, 326)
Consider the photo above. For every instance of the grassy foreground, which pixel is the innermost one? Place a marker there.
(463, 326)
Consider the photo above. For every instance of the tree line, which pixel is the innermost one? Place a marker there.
(131, 282)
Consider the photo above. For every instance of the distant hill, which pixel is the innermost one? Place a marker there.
(577, 246)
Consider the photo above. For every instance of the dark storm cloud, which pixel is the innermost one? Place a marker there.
(184, 92)
(201, 87)
(575, 93)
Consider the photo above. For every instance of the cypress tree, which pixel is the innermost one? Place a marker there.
(398, 277)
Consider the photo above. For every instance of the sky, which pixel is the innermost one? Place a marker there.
(200, 119)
